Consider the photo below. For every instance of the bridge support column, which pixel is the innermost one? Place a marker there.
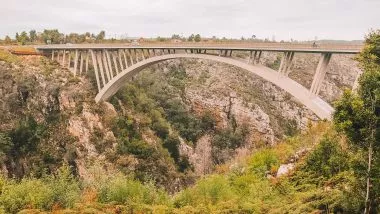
(52, 55)
(320, 73)
(129, 52)
(120, 61)
(258, 57)
(87, 60)
(75, 63)
(95, 64)
(109, 64)
(286, 63)
(81, 62)
(69, 60)
(99, 59)
(113, 56)
(254, 57)
(125, 57)
(63, 57)
(142, 54)
(106, 66)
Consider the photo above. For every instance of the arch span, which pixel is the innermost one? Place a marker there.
(321, 108)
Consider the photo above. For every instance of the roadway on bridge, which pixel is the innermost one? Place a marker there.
(237, 46)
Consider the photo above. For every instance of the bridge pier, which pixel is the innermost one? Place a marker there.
(75, 63)
(87, 60)
(81, 62)
(63, 57)
(106, 65)
(286, 63)
(109, 62)
(99, 60)
(95, 65)
(113, 56)
(320, 73)
(69, 59)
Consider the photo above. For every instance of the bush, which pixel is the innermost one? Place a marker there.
(263, 161)
(124, 190)
(171, 144)
(209, 191)
(327, 159)
(60, 189)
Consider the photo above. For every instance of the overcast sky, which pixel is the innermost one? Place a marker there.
(297, 19)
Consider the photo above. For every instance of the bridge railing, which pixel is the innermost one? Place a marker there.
(234, 44)
(218, 44)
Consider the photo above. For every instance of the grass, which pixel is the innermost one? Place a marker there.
(8, 57)
(21, 50)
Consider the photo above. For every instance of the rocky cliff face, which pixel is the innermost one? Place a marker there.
(70, 127)
(269, 112)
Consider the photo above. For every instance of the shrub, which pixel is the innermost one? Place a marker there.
(60, 189)
(30, 193)
(327, 159)
(263, 161)
(209, 191)
(124, 190)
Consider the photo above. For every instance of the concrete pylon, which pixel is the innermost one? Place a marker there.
(121, 61)
(129, 52)
(106, 66)
(69, 60)
(286, 63)
(113, 56)
(125, 57)
(287, 70)
(75, 63)
(320, 73)
(87, 60)
(99, 60)
(81, 62)
(109, 64)
(63, 58)
(258, 57)
(95, 65)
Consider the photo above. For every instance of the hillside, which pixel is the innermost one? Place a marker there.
(171, 125)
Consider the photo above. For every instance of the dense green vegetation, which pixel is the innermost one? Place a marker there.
(247, 187)
(336, 165)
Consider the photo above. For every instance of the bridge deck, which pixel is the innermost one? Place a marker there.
(274, 47)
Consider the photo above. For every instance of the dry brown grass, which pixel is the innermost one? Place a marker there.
(21, 50)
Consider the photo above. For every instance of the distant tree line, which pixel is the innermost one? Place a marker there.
(53, 36)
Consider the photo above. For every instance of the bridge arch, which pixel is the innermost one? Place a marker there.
(321, 108)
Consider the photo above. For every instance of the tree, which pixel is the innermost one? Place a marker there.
(357, 115)
(23, 38)
(101, 36)
(197, 38)
(17, 37)
(53, 36)
(33, 35)
(176, 36)
(191, 38)
(7, 40)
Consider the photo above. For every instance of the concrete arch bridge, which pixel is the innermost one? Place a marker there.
(115, 64)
